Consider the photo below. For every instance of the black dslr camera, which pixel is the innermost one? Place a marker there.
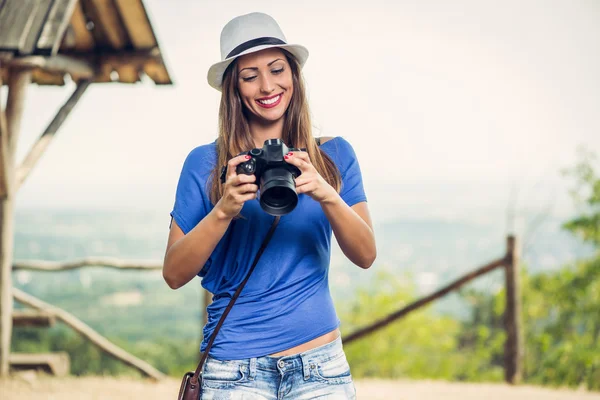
(277, 186)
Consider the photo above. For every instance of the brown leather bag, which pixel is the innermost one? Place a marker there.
(191, 384)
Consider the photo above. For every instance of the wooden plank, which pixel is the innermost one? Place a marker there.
(33, 318)
(68, 42)
(90, 334)
(57, 363)
(36, 26)
(42, 143)
(55, 26)
(424, 301)
(513, 347)
(137, 58)
(128, 73)
(58, 63)
(108, 28)
(84, 40)
(137, 23)
(41, 77)
(103, 74)
(135, 63)
(157, 72)
(17, 19)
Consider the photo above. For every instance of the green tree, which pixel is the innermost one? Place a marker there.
(586, 195)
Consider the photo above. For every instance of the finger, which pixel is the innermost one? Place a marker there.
(233, 163)
(301, 155)
(242, 179)
(305, 188)
(242, 198)
(303, 180)
(247, 188)
(301, 164)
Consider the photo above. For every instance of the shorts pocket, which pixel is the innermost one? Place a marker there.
(224, 374)
(335, 370)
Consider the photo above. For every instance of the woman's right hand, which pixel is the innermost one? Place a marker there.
(237, 189)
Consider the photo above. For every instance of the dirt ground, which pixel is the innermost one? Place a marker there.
(35, 387)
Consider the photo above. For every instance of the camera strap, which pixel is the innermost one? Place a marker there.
(198, 372)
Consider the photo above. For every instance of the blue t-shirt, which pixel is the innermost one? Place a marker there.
(286, 301)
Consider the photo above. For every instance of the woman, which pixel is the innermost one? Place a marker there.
(281, 338)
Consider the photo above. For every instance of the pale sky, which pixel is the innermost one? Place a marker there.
(436, 97)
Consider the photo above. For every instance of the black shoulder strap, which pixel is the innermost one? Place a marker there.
(198, 371)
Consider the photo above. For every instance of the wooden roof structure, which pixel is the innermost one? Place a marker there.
(107, 40)
(52, 42)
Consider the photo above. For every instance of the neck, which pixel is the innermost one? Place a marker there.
(262, 130)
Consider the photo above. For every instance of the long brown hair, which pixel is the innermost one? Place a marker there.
(234, 130)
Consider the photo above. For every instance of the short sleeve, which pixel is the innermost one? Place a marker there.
(352, 185)
(191, 199)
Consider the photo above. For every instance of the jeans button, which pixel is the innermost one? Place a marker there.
(281, 364)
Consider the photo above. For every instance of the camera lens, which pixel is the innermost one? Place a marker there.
(278, 192)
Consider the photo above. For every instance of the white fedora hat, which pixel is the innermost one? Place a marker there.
(246, 34)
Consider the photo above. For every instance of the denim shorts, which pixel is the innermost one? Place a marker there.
(322, 373)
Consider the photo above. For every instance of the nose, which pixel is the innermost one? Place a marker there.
(266, 84)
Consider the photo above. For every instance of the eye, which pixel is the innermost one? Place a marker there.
(248, 78)
(277, 71)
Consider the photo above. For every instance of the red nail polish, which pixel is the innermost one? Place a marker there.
(247, 157)
(286, 157)
(290, 154)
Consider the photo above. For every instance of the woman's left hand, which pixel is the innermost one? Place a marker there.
(310, 181)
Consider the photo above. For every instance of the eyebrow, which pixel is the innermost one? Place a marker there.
(268, 65)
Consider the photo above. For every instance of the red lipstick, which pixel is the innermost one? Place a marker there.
(280, 96)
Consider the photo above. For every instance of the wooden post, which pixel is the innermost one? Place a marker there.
(513, 347)
(6, 301)
(18, 82)
(4, 148)
(206, 300)
(40, 146)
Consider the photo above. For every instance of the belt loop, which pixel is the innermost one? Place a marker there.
(305, 367)
(252, 368)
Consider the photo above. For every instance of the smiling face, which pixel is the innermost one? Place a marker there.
(265, 84)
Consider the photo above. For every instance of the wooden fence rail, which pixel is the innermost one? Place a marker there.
(87, 332)
(40, 265)
(513, 352)
(513, 348)
(423, 301)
